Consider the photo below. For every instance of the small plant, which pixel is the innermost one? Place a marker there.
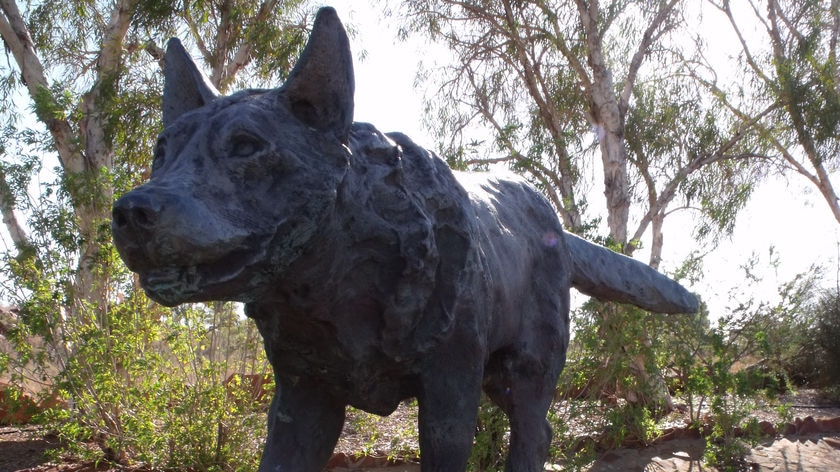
(726, 445)
(490, 446)
(629, 422)
(784, 411)
(726, 454)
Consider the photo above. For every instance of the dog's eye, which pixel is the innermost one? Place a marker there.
(244, 145)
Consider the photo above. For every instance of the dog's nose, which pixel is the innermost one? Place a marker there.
(136, 211)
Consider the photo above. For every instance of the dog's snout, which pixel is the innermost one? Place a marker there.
(136, 211)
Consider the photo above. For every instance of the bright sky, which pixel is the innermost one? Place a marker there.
(784, 213)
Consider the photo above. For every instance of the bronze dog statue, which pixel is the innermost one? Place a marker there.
(373, 271)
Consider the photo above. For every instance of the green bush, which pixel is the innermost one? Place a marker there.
(816, 362)
(826, 332)
(144, 384)
(152, 390)
(491, 439)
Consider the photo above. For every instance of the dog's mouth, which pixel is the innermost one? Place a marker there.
(217, 280)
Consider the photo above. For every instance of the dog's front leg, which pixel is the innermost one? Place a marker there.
(304, 423)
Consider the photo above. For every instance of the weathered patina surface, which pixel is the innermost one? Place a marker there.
(373, 272)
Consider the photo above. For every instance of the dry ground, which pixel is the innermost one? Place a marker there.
(23, 448)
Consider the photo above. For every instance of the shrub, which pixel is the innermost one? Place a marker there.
(812, 340)
(146, 385)
(826, 332)
(491, 438)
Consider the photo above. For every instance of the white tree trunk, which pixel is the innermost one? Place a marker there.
(607, 120)
(657, 240)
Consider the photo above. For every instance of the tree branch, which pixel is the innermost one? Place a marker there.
(7, 209)
(98, 152)
(242, 56)
(17, 38)
(648, 38)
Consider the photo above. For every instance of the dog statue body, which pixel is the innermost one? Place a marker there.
(373, 272)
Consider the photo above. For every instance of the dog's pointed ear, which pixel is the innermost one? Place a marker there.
(319, 90)
(185, 87)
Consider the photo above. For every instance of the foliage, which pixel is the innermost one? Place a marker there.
(827, 336)
(270, 32)
(491, 438)
(609, 342)
(757, 338)
(142, 383)
(817, 362)
(722, 371)
(150, 388)
(606, 377)
(788, 96)
(774, 334)
(718, 399)
(670, 132)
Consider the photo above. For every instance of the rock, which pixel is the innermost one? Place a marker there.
(339, 459)
(767, 428)
(829, 425)
(807, 426)
(788, 429)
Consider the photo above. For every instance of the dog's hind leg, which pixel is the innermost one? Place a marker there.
(522, 385)
(304, 423)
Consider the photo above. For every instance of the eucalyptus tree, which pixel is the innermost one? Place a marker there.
(790, 95)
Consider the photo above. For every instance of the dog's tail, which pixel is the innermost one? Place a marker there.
(605, 274)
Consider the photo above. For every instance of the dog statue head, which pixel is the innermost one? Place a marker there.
(239, 183)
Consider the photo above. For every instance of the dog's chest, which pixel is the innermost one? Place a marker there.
(343, 353)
